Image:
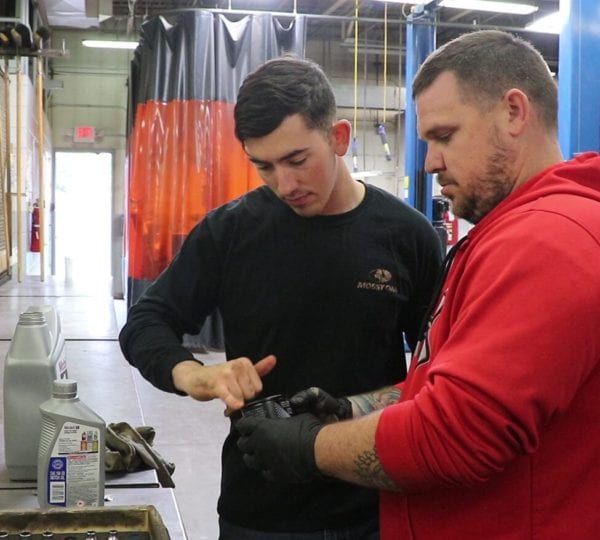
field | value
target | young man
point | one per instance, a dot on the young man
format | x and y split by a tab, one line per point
496	434
316	276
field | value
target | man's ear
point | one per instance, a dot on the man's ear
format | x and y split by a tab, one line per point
340	136
519	110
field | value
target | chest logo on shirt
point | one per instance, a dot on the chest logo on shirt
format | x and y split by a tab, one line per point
381	275
380	281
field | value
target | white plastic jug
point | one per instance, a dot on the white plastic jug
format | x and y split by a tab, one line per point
34	360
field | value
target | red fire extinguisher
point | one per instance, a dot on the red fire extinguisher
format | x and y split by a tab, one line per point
35	229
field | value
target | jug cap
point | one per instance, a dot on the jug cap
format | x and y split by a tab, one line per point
64	388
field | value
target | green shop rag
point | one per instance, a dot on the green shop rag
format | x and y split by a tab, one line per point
130	449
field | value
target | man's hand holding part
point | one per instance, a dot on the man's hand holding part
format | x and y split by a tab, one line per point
324	406
301	448
282	449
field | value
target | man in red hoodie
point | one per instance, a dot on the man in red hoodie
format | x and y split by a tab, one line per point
496	434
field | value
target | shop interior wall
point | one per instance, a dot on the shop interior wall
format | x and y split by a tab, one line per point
365	97
94	93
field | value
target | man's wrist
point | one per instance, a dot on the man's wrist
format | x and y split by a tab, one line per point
182	372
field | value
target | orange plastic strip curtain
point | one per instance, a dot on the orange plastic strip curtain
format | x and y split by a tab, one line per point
185	162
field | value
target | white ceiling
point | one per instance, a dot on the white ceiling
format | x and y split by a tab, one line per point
72	13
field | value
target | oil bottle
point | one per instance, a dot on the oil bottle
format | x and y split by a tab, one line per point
71	450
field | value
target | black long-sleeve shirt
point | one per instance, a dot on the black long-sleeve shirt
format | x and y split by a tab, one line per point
330	296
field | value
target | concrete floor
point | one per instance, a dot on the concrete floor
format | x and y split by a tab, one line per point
188	433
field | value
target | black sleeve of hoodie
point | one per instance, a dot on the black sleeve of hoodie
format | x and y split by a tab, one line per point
177	302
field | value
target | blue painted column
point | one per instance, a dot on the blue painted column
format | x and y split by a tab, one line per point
420	42
579	77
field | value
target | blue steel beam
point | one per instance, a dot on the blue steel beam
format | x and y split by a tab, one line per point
579	77
420	42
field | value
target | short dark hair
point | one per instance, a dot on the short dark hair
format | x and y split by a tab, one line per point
487	63
280	88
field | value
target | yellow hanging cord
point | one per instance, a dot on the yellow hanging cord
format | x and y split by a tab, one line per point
355	65
381	125
385	57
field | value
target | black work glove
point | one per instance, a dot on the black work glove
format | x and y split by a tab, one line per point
283	449
318	402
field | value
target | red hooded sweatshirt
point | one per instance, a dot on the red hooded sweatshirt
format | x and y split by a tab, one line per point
497	434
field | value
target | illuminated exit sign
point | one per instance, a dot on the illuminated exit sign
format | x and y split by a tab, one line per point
84	134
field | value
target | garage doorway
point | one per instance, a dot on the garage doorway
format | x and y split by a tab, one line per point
82	217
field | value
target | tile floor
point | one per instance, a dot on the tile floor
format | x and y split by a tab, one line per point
188	433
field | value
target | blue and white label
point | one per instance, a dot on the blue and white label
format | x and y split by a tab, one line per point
57	481
74	473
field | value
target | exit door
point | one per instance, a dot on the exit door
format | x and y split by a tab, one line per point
82	217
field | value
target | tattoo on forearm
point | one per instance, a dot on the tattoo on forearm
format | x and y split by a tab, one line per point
370	473
373	401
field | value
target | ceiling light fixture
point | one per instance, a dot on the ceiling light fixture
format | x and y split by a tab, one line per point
485	5
549	24
107	44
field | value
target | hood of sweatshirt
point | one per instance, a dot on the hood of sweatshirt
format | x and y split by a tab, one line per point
578	177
